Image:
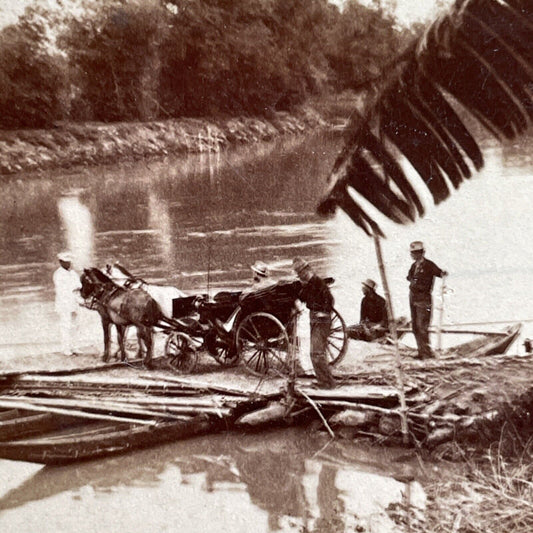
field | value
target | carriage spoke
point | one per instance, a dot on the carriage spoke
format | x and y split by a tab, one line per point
250	334
253	356
265	333
338	338
331	354
257	334
277	357
262	362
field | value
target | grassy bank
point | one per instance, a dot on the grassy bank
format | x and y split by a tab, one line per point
84	144
479	492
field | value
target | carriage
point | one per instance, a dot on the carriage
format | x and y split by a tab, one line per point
262	334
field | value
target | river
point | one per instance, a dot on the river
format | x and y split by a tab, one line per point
198	223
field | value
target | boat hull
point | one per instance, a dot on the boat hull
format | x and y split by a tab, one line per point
85	443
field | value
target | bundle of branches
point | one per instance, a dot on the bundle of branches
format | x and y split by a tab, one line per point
478	58
466	400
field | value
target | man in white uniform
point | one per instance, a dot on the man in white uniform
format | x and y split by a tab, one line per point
66	284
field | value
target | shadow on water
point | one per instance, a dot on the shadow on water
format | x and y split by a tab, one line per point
287	473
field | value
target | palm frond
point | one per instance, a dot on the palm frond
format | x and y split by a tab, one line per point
478	58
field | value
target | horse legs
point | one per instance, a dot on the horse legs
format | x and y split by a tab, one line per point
121	330
106	323
140	342
146	334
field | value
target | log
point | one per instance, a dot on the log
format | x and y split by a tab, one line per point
356	406
355	392
146	399
354	418
389	425
440	435
98	405
273	412
73	412
205	386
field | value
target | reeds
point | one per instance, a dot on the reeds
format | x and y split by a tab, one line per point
493	494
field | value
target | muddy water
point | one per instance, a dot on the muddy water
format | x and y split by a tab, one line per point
280	481
198	224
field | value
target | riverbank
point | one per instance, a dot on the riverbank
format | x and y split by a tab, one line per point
83	144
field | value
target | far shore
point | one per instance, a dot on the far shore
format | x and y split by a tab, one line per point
70	145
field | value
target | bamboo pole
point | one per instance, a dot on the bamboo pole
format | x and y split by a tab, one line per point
110	407
73	412
441	315
394	335
459	331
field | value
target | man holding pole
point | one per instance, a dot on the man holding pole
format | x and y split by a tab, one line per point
421	276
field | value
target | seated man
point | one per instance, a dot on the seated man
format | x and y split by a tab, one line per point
373	320
260	280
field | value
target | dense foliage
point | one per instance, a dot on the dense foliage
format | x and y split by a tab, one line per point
112	60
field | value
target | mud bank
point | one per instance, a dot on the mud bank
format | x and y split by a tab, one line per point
75	144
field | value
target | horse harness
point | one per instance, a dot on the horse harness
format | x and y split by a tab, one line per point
99	298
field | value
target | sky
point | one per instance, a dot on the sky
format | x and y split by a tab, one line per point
407	11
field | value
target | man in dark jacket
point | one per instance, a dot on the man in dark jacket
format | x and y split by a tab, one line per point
319	300
373	318
421	276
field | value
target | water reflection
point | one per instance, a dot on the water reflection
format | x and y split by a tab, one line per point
171	220
77	224
290	475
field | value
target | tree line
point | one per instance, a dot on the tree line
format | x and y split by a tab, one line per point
118	60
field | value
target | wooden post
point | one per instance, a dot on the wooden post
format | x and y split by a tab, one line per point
394	335
441	315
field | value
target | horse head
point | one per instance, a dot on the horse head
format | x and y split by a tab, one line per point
88	284
93	283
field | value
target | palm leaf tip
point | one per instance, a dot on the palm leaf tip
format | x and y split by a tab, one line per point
474	63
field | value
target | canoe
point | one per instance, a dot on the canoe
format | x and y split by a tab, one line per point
487	344
17	423
99	439
483	345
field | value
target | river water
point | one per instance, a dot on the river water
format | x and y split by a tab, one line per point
198	223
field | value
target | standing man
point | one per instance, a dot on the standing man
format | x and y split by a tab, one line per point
317	296
420	277
373	318
66	284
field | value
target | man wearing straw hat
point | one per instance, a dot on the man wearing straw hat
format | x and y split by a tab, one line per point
66	284
421	276
260	280
373	317
319	300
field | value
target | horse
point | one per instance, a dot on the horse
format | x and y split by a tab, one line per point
162	294
122	307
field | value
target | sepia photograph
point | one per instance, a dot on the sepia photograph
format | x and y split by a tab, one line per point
265	266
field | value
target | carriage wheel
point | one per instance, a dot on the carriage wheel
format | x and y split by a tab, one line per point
225	354
180	353
337	339
263	344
